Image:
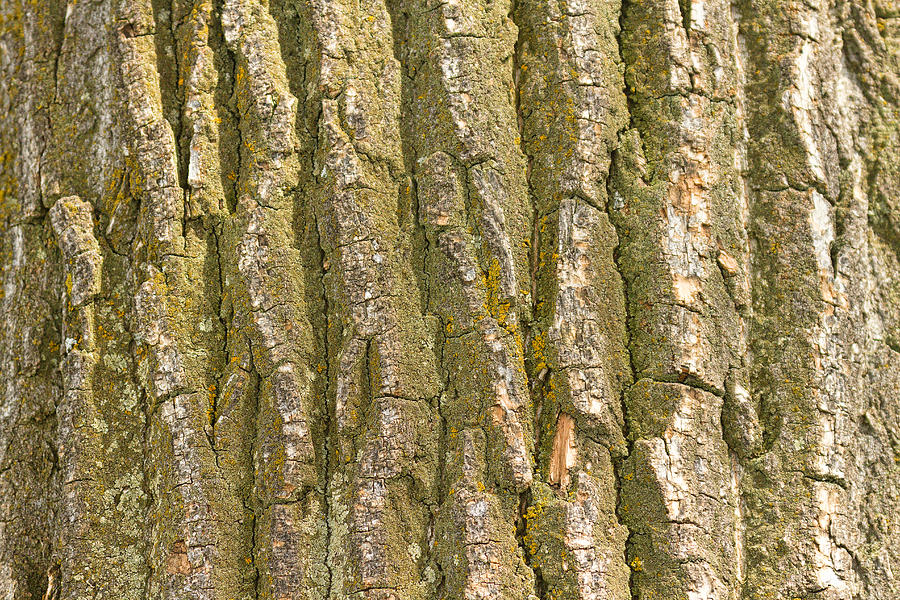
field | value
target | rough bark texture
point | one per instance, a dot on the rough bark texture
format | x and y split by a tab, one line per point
450	299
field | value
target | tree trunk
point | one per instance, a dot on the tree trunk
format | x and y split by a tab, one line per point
460	299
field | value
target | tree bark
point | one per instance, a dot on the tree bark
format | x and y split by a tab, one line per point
459	299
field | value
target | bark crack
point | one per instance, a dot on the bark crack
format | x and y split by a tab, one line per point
534	380
329	418
618	464
248	500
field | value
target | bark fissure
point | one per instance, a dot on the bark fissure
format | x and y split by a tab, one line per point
248	500
619	471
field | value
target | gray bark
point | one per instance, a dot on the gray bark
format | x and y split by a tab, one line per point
470	299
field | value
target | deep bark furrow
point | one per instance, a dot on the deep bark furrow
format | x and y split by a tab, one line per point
196	519
201	117
385	372
474	206
578	358
272	303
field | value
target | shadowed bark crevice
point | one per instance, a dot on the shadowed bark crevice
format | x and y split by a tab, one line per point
329	421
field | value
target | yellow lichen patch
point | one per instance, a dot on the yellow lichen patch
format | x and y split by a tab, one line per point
538	347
